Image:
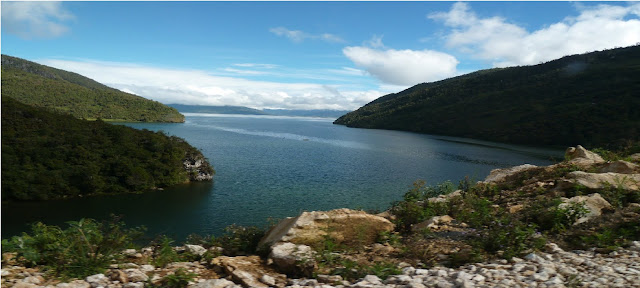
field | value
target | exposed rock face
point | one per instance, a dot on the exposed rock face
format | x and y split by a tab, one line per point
445	197
290	239
198	168
341	224
293	259
582	157
594	203
621	167
601	180
500	175
249	271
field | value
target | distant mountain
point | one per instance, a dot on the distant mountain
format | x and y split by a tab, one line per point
591	99
250	111
67	92
216	109
325	113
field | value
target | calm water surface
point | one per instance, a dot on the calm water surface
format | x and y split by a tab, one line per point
275	167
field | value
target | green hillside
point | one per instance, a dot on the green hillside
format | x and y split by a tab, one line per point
48	155
67	92
590	99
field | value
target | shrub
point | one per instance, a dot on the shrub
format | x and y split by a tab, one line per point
239	240
85	248
178	279
164	252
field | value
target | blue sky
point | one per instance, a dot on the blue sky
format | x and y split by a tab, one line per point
302	55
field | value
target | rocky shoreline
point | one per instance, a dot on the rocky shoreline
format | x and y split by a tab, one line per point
552	268
592	197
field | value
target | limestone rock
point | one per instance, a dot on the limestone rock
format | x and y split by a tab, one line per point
603	180
293	259
214	283
593	202
445	197
501	175
74	284
98	280
582	157
620	166
195	249
135	275
433	222
249	270
344	224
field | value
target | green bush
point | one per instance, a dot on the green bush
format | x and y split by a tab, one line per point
165	253
239	240
85	248
179	279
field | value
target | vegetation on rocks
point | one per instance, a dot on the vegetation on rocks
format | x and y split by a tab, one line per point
47	155
71	93
542	104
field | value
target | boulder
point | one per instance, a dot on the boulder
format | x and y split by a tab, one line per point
504	174
582	157
249	270
293	259
195	249
343	225
603	180
594	203
620	166
635	157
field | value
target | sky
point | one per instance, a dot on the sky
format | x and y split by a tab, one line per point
302	55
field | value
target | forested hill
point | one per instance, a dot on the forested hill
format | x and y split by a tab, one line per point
590	99
49	155
68	92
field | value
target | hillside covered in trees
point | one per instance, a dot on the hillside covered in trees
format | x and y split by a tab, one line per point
48	155
591	99
67	92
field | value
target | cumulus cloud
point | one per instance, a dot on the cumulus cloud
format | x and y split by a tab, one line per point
403	67
35	19
201	88
597	27
299	36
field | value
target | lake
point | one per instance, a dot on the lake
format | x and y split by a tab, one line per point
270	167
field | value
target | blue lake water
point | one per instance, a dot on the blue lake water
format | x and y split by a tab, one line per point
276	167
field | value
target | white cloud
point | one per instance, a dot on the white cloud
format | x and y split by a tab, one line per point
403	67
506	44
35	19
299	36
199	87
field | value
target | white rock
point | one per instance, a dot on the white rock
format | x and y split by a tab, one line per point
214	283
373	279
98	280
266	279
195	249
74	284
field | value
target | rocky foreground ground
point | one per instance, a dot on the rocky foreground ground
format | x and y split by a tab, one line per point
552	268
302	251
